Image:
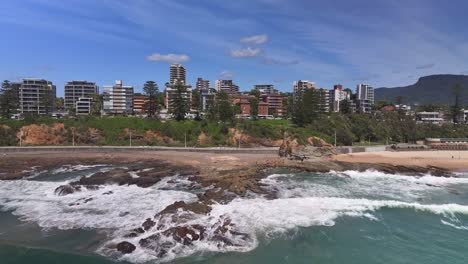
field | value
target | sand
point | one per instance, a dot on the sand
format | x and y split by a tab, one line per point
450	160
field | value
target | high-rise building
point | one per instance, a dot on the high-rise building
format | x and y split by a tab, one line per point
139	103
323	100
275	104
202	84
118	99
83	106
79	89
337	95
299	87
177	73
36	96
265	89
227	86
171	94
364	98
365	92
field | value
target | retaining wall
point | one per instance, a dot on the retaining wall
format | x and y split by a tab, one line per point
129	149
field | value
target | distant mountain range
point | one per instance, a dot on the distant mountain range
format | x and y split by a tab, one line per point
433	89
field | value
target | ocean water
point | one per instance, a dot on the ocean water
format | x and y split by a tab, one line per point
346	217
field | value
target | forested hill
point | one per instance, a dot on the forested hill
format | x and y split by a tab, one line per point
433	89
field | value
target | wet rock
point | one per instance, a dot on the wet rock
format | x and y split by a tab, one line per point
67	189
154	243
151	242
148	224
124	214
108	193
196	207
126	247
88	200
139	230
185	234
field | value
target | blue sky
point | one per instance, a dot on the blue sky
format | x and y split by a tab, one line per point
383	43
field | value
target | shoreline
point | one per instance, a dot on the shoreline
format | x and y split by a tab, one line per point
450	160
216	163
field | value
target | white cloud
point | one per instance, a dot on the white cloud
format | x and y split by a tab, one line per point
257	39
245	52
171	58
273	61
226	74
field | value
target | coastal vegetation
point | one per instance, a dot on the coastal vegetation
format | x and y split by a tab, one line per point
384	127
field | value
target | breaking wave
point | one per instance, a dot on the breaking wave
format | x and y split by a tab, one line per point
299	204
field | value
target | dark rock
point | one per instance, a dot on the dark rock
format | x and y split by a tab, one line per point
67	189
196	207
139	230
151	242
185	234
126	247
88	200
108	193
132	235
124	214
148	224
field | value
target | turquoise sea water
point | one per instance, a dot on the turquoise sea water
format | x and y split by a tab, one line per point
352	217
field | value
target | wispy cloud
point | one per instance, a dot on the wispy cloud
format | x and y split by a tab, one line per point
273	61
170	58
257	39
425	66
226	74
245	52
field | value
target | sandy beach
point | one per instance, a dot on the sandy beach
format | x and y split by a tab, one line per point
450	160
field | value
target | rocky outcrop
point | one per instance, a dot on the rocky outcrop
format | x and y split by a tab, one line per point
42	134
204	140
234	135
196	207
315	148
126	247
152	136
144	174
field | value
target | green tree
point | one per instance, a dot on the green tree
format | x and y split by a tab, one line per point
212	112
179	104
225	108
306	107
457	106
255	92
96	106
345	107
47	100
196	103
60	103
8	100
151	89
253	108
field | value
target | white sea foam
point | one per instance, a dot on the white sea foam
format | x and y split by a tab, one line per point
426	179
109	207
70	168
122	208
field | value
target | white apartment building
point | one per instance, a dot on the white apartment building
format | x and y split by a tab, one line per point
118	99
177	73
83	106
79	89
300	86
430	117
227	86
36	96
337	95
365	98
